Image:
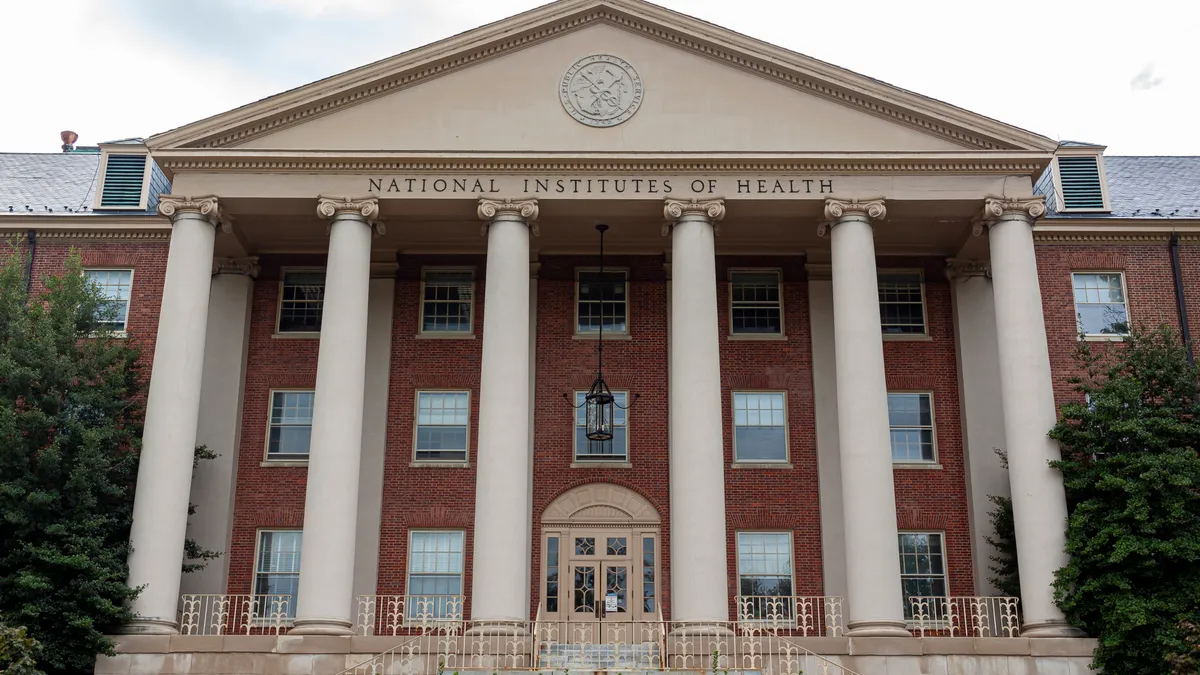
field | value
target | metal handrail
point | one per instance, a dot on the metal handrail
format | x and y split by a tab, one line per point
380	655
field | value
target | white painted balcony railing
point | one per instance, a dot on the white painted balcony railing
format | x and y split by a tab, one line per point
392	614
798	616
212	614
964	616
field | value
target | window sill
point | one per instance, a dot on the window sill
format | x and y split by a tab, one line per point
758	337
917	466
907	337
761	465
1103	338
601	465
283	463
444	336
298	335
607	336
116	334
439	465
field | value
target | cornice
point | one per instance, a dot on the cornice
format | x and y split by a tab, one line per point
96	228
788	68
274	161
1103	237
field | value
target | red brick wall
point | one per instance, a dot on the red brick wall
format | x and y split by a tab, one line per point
1148	281
149	264
443	497
427	497
783	498
565	364
268	496
934	499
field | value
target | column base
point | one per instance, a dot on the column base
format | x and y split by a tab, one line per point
700	628
321	626
498	627
148	626
1053	628
878	628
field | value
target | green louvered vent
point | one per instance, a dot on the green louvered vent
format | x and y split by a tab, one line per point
1080	178
123	181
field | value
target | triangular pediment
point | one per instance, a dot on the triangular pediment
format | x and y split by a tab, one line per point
692	87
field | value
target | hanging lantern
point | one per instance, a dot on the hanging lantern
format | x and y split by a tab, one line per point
599	404
598	410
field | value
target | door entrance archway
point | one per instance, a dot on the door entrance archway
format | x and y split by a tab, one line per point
601	547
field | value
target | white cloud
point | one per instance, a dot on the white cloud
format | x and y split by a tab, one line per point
1061	68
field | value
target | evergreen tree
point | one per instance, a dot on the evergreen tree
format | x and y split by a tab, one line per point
1132	474
1005	575
70	426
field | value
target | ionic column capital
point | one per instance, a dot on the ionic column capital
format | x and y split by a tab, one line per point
518	208
674	210
840	210
1028	209
206	207
365	209
962	270
245	266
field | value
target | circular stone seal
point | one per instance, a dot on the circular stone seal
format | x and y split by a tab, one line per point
601	90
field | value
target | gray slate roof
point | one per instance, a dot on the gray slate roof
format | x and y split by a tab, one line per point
61	183
1153	188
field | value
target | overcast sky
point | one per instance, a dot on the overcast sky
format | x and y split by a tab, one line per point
1124	74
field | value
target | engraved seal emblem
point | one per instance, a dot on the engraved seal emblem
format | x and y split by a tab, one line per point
601	90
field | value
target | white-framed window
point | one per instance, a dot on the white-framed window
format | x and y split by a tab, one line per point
910	420
277	569
615	450
922	567
117	287
902	302
447	301
301	297
290	432
760	426
764	563
755	302
442	426
435	574
601	300
1100	303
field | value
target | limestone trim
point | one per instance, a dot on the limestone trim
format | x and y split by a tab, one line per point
596	503
962	270
245	266
523	208
548	22
206	207
291	161
1028	208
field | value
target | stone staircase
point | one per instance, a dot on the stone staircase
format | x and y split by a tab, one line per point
558	656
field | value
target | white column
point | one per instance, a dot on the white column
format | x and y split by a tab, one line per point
982	408
172	411
699	576
1039	500
220	422
325	592
874	600
502	508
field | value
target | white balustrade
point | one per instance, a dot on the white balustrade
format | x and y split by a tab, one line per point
965	616
214	614
799	616
397	614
